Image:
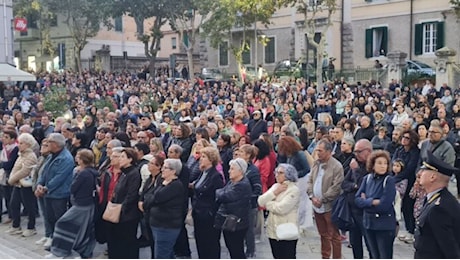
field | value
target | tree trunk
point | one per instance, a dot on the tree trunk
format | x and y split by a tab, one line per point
78	59
191	67
152	70
319	66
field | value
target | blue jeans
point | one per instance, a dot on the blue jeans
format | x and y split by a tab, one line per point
48	230
165	239
380	243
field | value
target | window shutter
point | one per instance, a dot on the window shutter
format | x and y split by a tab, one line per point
385	40
440	35
418	39
369	43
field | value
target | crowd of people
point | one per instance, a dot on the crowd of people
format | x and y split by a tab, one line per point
230	160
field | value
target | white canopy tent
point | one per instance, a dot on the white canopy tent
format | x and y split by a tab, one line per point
10	73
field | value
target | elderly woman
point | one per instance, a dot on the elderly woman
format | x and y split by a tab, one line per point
248	153
380	141
165	207
204	204
75	229
155	164
346	153
22	190
376	196
282	202
121	236
234	201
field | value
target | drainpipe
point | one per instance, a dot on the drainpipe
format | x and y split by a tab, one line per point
411	29
341	36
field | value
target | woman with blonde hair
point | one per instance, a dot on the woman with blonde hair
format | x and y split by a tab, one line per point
156	147
21	180
204	205
193	162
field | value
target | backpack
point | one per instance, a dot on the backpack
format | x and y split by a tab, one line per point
368	179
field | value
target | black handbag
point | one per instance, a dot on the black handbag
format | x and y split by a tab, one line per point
231	223
341	213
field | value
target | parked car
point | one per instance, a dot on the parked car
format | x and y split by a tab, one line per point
296	69
211	73
251	72
413	66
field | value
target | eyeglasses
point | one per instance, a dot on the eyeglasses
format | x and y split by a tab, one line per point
359	151
434	132
406	137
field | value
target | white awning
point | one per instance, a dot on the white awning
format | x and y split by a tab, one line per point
10	73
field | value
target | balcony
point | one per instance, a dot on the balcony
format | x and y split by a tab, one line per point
31	34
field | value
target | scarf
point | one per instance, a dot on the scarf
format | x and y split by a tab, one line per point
6	152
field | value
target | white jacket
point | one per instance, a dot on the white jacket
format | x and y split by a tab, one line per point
283	208
399	118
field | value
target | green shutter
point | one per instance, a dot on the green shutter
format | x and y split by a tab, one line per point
418	39
440	35
385	40
369	43
186	42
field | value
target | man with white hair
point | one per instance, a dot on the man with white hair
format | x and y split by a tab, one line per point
54	183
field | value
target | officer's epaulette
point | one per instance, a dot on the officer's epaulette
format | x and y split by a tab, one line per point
438	201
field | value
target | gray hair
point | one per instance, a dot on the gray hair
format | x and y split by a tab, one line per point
326	143
290	171
115	143
25	129
177	148
240	163
28	139
349	141
59	139
175	165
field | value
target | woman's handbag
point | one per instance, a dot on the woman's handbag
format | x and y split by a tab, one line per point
112	212
341	213
26	182
287	231
230	223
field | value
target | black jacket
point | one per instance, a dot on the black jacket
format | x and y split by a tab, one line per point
83	187
255	128
438	230
165	205
351	184
204	198
253	175
127	193
234	199
365	133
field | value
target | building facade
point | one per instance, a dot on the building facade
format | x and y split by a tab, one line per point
287	39
416	27
6	41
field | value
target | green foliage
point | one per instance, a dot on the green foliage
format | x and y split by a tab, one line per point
104	102
56	101
456	6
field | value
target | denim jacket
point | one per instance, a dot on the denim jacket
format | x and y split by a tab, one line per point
58	175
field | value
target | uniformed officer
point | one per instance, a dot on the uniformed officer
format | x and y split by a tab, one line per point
438	229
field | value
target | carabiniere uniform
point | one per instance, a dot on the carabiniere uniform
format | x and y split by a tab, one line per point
437	233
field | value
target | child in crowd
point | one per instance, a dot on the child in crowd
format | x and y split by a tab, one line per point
398	167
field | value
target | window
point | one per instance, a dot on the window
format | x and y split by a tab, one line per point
118	24
174	43
269	53
223	54
428	37
246	55
53	20
315	2
376	42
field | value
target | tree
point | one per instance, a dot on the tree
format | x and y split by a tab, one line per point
456	6
141	10
312	10
83	19
226	14
187	23
38	15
